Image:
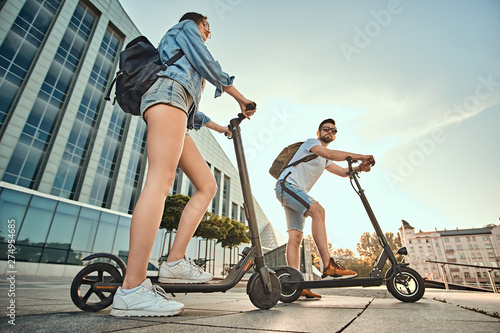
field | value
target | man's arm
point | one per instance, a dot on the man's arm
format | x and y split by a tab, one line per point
338	155
340	171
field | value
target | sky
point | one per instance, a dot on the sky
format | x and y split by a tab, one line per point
414	83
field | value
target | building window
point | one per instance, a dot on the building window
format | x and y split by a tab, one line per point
215	200
473	238
33	233
102	190
20	47
234	211
457	239
225	196
446	240
459	247
13	205
448	248
437	244
25	165
191	189
72	167
468	238
243	218
176	188
106	228
485	238
135	170
476	246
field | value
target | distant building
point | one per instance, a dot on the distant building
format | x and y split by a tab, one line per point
475	246
71	165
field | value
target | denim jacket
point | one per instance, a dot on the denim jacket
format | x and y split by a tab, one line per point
196	64
199	120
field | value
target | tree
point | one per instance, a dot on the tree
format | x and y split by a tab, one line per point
369	247
211	227
174	205
343	253
237	234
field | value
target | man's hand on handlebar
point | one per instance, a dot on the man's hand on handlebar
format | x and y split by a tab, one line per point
367	161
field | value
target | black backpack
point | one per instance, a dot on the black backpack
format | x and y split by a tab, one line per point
139	64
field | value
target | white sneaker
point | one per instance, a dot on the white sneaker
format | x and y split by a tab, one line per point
183	272
148	300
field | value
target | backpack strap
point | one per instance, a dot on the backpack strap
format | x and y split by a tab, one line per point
175	58
303	159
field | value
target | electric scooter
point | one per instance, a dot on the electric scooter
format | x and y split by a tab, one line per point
94	286
403	283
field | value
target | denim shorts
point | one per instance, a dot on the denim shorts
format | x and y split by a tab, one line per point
170	92
295	202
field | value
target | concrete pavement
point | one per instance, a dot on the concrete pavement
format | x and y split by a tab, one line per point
44	305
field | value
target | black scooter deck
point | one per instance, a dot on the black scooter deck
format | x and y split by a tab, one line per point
209	287
333	283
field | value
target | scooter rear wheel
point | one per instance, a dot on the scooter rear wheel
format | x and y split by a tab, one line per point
288	295
84	296
257	295
407	286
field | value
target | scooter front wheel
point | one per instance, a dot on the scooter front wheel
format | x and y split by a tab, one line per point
257	293
83	293
407	286
289	295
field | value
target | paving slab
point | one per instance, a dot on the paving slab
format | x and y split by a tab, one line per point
44	305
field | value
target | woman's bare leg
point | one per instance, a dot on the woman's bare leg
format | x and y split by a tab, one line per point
196	169
166	131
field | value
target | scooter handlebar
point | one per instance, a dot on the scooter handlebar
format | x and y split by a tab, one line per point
236	121
350	161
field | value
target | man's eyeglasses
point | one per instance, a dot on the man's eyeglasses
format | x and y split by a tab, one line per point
332	130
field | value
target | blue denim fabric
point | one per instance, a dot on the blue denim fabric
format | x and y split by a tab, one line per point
294	210
200	120
196	64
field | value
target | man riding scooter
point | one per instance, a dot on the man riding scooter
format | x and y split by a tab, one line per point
292	187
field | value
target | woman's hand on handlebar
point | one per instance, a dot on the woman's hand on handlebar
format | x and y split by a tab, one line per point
242	101
248	108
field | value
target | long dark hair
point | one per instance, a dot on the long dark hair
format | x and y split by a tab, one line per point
194	17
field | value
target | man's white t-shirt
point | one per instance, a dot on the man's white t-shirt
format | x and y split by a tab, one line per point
305	174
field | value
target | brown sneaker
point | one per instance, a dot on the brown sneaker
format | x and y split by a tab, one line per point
337	271
309	294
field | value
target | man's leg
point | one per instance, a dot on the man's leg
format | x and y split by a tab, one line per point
293	248
318	227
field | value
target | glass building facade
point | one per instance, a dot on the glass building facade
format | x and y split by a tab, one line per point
72	166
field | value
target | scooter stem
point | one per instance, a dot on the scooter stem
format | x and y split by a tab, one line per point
246	188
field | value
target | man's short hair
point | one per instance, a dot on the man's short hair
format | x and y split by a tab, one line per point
329	120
